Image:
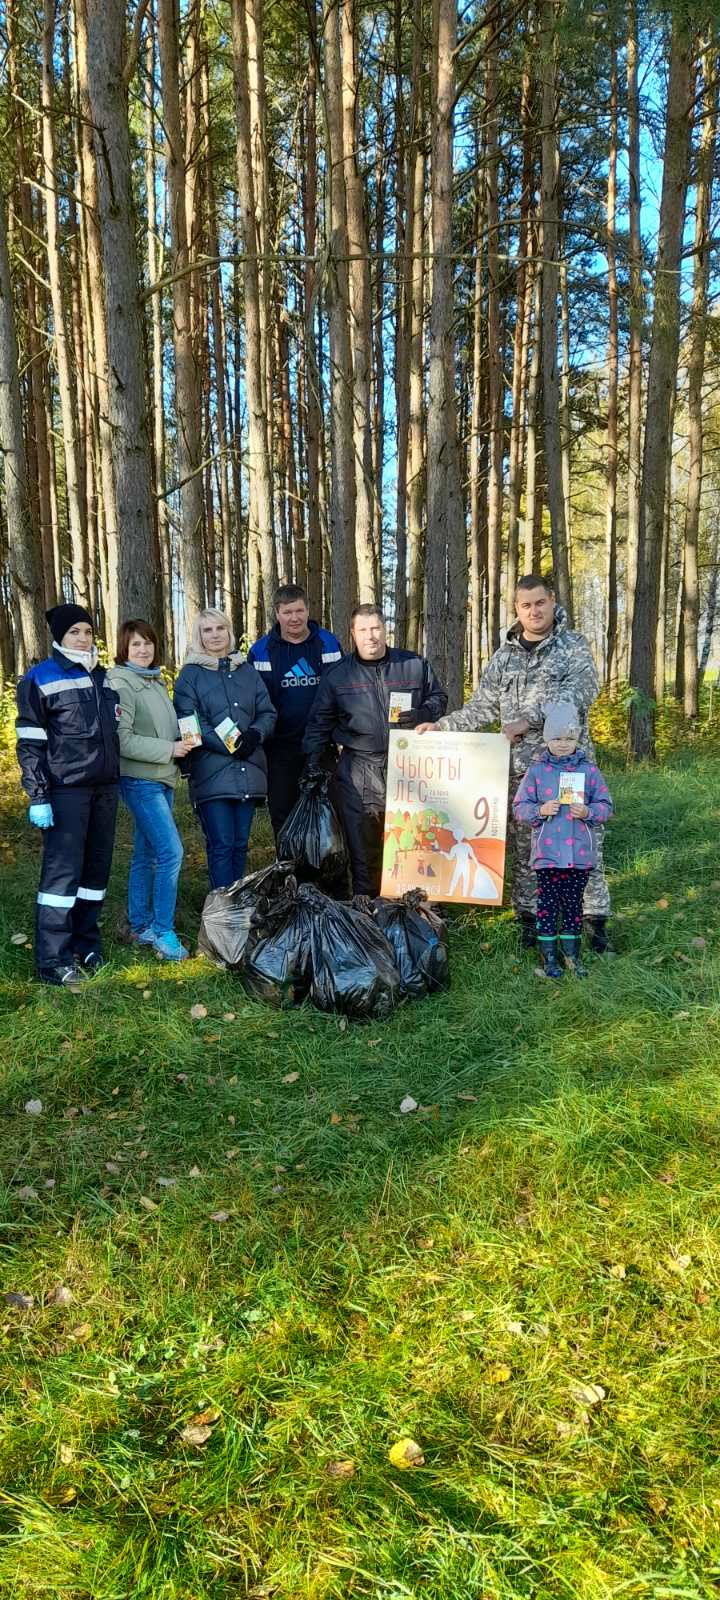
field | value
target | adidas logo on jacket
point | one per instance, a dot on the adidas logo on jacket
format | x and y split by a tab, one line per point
292	673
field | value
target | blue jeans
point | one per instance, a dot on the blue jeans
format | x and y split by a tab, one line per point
226	825
156	858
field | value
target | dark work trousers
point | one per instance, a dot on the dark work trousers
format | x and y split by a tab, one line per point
285	762
560	892
77	855
358	791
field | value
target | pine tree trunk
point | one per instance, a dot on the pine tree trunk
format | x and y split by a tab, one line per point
696	372
635	338
93	252
550	286
360	315
477	445
187	383
529	562
261	537
312	381
520	350
76	527
662	375
611	464
446	554
494	349
137	576
342	501
23	553
416	411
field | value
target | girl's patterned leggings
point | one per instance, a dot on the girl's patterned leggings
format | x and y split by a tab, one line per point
560	893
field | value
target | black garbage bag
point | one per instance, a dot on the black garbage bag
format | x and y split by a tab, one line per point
276	963
419	939
353	965
312	836
227	913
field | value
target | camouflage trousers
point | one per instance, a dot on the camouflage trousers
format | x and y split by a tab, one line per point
524	884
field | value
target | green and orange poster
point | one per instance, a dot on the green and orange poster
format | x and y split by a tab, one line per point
446	816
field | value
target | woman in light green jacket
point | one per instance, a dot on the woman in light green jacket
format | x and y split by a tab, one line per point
150	748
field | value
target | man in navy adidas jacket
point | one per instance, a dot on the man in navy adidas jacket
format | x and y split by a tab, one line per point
291	659
69	755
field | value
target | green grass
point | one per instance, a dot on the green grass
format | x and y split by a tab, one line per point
452	1275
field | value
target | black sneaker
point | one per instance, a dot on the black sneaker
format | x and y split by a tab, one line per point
62	977
91	963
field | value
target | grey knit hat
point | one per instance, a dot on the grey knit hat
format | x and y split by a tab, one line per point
562	721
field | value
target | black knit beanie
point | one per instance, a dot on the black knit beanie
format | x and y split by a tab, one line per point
61	618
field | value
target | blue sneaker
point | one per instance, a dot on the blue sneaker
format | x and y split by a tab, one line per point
169	947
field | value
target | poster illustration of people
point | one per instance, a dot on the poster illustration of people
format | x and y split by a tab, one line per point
446	816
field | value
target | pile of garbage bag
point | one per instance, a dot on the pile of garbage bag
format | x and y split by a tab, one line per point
313	838
289	941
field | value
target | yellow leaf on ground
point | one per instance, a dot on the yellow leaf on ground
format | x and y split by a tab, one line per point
406	1453
198	1012
335	1118
588	1394
81	1333
618	1270
206	1419
500	1374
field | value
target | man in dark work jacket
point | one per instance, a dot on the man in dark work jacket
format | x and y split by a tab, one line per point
352	709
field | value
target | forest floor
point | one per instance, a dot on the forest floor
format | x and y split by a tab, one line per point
522	1276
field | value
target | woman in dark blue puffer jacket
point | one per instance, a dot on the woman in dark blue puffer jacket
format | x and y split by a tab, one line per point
228	772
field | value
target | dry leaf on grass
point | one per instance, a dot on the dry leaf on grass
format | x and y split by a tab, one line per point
60	1296
18	938
81	1333
291	1077
663	903
219	1216
228	1016
679	1262
335	1119
406	1453
112	1166
198	1012
167	1183
464	1094
27	1192
698	943
66	1497
205	1419
22	1302
195	1435
194	1172
514	1327
33	1107
67	1454
340	1469
147	1204
588	1394
618	1270
147	994
407	1104
500	1374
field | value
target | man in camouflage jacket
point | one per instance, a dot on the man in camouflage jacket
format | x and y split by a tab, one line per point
539	660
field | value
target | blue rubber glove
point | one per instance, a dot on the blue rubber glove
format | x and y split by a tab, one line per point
41	816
